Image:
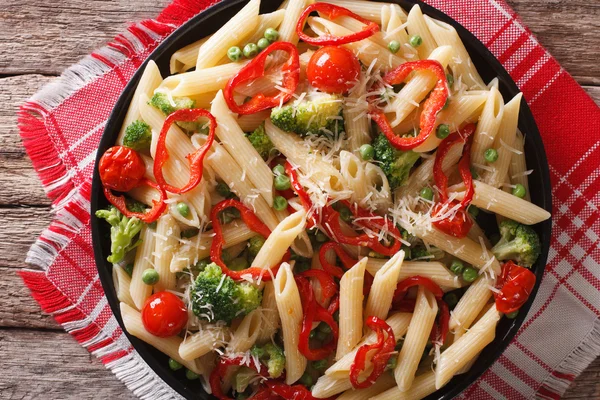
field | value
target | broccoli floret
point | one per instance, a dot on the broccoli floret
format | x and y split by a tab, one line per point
138	136
136	207
319	116
261	142
255	244
218	298
396	164
518	242
169	105
273	357
122	232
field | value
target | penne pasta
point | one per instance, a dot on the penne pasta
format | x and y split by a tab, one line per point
436	271
166	242
383	288
351	307
517	169
144	259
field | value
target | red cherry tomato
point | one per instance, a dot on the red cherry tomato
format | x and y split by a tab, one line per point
457	225
333	69
515	284
164	314
121	168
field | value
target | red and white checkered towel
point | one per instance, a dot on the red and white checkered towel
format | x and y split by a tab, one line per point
62	125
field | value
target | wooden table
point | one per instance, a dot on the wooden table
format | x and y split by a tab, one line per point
38	40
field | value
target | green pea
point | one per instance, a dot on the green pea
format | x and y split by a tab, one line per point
367	152
234	53
469	274
280	203
191	375
323	327
129	269
152	225
512	315
490	155
446	104
457	267
250	50
302	265
473	210
321	336
394	46
443	131
282	182
278	169
306	380
150	277
450	80
474	173
183	209
519	191
451	299
415	41
319	365
174	365
426	193
392	362
321	237
238	264
263	43
345	214
189	233
223	189
202	264
271	35
313	334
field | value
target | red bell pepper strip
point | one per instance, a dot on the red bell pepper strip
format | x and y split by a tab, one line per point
432	106
339	251
334	305
459	223
313	312
254	224
332	11
256	69
302	194
152	215
328	285
221	369
195	159
293	392
515	284
384	347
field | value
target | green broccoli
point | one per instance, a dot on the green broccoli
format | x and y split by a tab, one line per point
261	142
138	136
219	298
322	115
122	232
242	379
518	242
169	105
396	164
135	206
272	356
255	244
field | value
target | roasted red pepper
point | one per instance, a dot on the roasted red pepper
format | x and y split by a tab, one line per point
221	369
195	159
438	333
152	215
254	224
333	270
515	284
302	194
256	69
291	392
384	347
459	223
313	312
431	107
121	168
328	285
332	11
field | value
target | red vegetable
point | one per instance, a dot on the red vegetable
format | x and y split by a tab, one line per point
333	270
164	314
256	69
158	206
333	69
293	392
121	168
515	284
301	192
254	224
195	159
384	347
332	11
434	103
221	369
328	285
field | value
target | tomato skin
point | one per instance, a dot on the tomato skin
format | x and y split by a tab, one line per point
164	314
458	225
333	69
515	284
121	168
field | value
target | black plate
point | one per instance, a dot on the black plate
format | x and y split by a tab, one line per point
208	22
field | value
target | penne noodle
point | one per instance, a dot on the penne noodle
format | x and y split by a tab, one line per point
144	259
416	26
436	271
422	386
202	342
366	9
186	57
122	282
487	128
383	288
166	242
517	169
351	308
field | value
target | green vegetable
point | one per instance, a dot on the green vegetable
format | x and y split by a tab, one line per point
263	43
319	365
420	253
451	299
138	136
183	209
218	298
319	116
306	380
302	264
321	237
255	244
415	41
518	242
278	169
469	274
242	379
426	193
238	264
271	35
450	80
490	155
474	173
136	206
323	327
367	152
446	103
443	131
229	214
396	164
129	269
519	191
272	356
250	50
164	104
280	203
150	276
122	231
346	214
457	267
392	362
261	142
282	182
512	315
394	46
234	53
223	189
473	210
191	375
174	365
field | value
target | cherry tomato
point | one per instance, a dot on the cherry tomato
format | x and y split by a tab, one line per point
333	69
457	225
164	314
121	168
515	284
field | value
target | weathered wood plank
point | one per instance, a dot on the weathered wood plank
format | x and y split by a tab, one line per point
51	365
587	385
20	228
